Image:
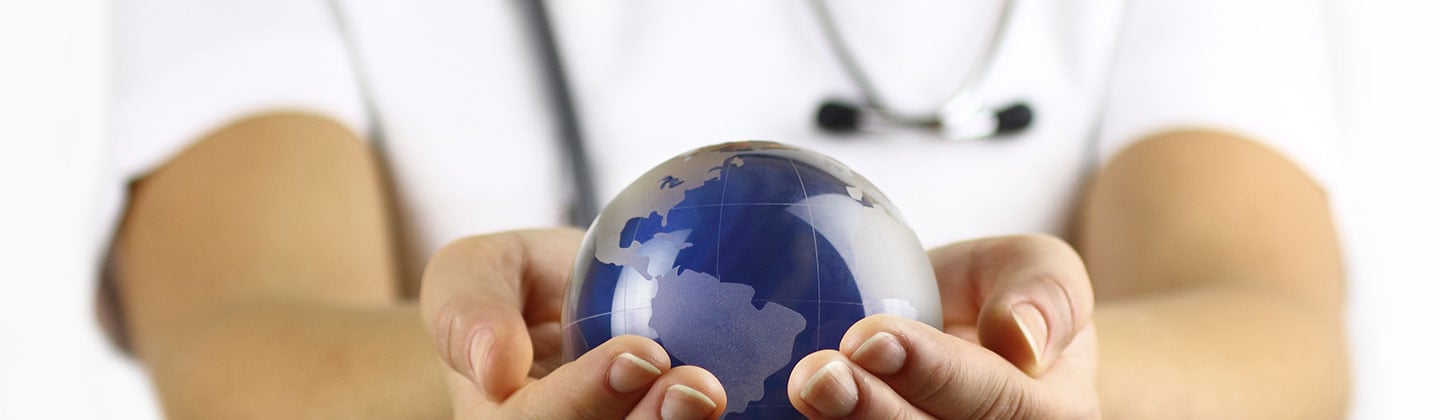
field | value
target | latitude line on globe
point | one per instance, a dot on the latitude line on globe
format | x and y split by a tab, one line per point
830	302
815	242
701	206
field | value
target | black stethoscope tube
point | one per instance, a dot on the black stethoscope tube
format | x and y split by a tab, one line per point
583	204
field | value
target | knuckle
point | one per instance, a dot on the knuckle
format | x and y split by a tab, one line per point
1008	400
889	412
936	384
1069	300
445	329
1060	294
896	408
453	327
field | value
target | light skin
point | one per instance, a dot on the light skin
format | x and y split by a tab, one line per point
259	277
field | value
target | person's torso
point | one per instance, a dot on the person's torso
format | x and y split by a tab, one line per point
471	137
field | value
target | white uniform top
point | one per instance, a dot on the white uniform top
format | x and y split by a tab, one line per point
471	139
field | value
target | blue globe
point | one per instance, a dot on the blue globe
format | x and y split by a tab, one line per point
742	258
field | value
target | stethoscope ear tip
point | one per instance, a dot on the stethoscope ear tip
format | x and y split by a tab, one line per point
1013	118
838	117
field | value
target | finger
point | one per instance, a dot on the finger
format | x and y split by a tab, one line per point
1028	295
605	382
683	393
947	376
826	384
480	294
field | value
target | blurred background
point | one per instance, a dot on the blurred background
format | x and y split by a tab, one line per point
54	362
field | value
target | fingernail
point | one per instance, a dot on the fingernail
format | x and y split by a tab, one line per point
831	390
629	373
881	354
1032	325
685	403
479	351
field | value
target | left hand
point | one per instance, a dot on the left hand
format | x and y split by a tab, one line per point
492	305
1018	342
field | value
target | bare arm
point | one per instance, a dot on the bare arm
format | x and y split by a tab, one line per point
1218	283
258	275
258	279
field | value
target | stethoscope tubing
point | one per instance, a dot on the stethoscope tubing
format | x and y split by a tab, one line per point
963	102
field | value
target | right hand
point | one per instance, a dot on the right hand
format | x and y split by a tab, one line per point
1018	342
492	304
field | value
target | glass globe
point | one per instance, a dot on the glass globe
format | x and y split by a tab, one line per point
742	258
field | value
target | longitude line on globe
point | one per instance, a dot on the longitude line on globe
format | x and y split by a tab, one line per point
815	242
720	216
625	314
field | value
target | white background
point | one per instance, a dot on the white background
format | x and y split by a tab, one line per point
53	57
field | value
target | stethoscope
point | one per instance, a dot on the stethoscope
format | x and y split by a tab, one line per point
963	116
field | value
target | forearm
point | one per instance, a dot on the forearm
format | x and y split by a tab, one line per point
257	274
271	359
1219	354
1218	283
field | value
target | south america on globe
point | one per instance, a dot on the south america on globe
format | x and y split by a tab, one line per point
742	258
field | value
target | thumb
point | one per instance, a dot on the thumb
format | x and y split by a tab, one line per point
612	381
481	293
943	375
1039	299
952	377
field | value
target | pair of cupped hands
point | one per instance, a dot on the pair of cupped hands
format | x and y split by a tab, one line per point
1017	342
